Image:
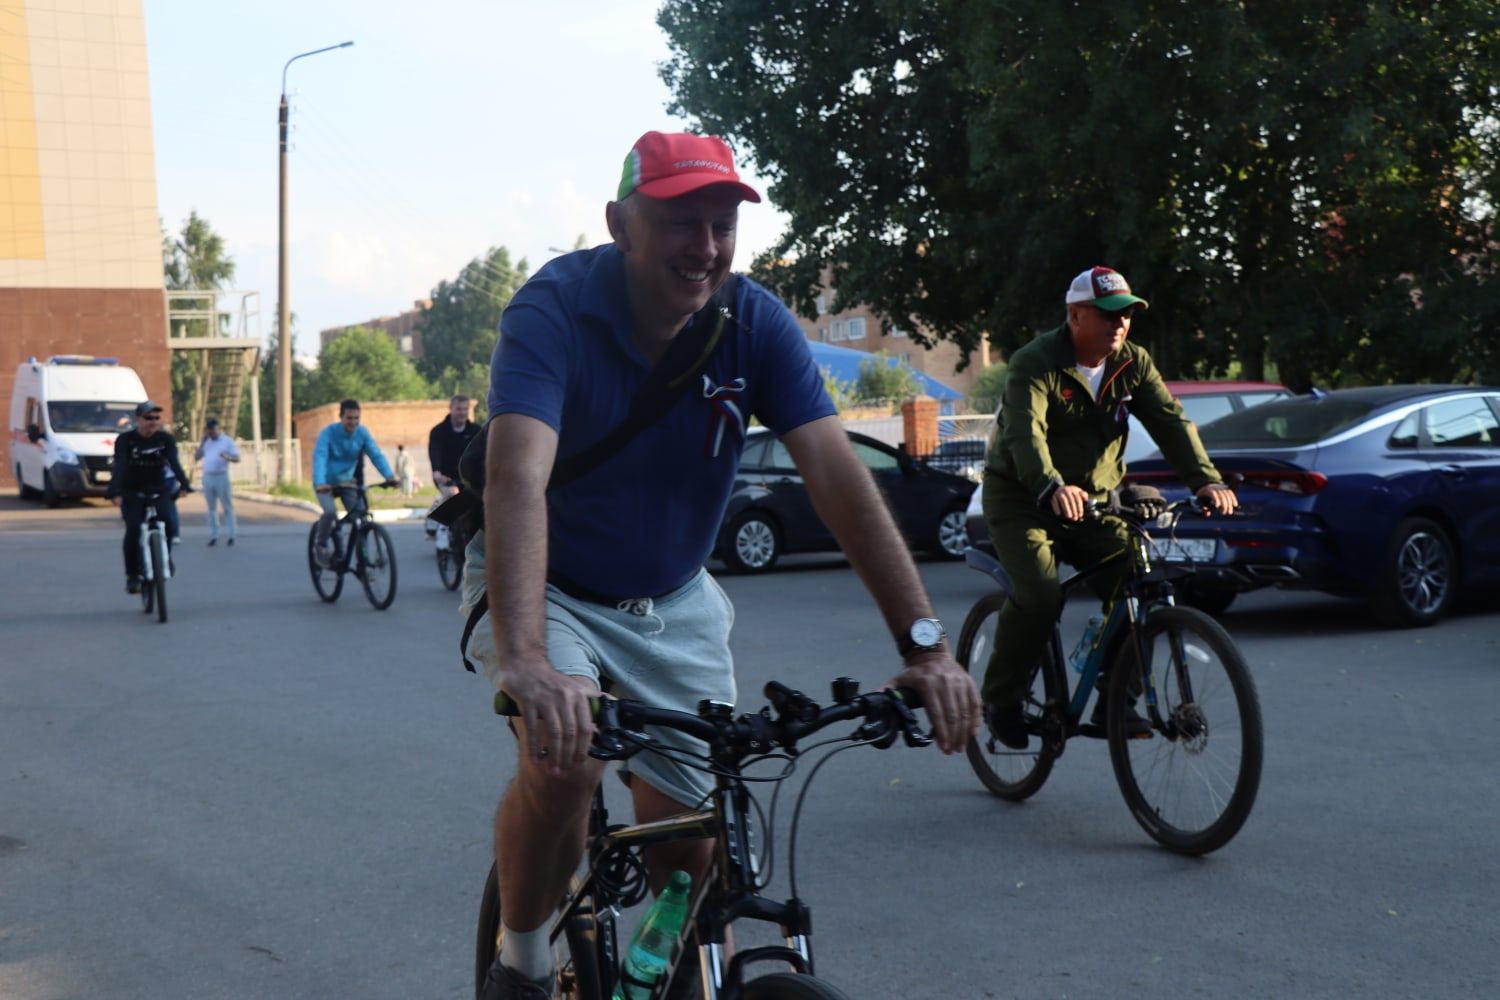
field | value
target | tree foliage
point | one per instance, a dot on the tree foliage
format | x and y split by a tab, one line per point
989	384
881	380
367	365
460	326
195	258
1305	185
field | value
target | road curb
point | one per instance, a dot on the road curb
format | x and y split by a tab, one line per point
383	514
306	505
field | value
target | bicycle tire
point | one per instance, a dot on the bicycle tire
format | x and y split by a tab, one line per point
1015	775
790	986
450	567
1192	783
577	971
160	560
327	580
377	565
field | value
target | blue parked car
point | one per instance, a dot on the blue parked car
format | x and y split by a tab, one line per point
1388	493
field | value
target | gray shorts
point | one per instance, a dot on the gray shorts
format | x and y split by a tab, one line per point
670	652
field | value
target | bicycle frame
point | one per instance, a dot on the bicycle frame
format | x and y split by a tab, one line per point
1140	592
730	891
153	524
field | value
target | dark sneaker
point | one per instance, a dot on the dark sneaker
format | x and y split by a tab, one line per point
323	555
214	541
1007	725
230	543
503	983
132	585
1136	724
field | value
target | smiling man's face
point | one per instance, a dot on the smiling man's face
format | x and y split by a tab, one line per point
678	251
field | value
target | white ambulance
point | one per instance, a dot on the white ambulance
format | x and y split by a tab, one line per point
64	415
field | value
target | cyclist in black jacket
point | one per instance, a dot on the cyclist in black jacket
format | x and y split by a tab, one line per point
145	461
447	441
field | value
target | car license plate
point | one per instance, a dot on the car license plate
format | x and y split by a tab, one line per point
101	477
1183	549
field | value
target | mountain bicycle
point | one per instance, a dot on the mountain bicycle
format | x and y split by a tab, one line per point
584	929
156	556
358	545
1191	782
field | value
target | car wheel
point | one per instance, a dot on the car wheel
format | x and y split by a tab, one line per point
50	495
27	492
1419	575
952	535
754	543
1208	598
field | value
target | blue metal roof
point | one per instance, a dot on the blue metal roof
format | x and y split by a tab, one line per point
844	364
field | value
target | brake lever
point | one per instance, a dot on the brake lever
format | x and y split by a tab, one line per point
911	730
607	744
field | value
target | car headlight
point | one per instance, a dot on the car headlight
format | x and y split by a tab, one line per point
66	457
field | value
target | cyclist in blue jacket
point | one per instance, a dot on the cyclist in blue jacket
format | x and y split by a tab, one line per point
340	449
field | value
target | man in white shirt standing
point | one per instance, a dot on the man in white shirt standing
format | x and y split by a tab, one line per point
215	453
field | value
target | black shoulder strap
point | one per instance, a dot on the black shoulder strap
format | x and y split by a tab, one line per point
677	371
686	358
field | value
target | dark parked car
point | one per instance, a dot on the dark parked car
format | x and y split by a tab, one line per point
962	456
770	512
1387	493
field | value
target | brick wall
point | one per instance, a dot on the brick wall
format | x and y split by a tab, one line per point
125	323
389	423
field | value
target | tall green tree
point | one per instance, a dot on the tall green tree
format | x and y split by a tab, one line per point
193	259
1309	185
367	365
460	326
304	389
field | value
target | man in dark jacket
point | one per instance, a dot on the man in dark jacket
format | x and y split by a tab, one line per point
1063	420
145	462
446	443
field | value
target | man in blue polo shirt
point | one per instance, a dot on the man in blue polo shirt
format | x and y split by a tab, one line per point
601	580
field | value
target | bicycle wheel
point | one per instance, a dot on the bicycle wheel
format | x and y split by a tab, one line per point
790	986
327	580
377	565
1191	784
577	967
148	590
158	581
450	566
1010	774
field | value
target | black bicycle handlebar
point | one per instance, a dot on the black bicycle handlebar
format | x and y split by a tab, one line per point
887	714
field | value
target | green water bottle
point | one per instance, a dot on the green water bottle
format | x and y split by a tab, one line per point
651	947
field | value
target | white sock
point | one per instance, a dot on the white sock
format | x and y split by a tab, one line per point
528	952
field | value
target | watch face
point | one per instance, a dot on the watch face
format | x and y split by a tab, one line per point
926	632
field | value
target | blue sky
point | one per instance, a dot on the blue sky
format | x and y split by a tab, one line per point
449	127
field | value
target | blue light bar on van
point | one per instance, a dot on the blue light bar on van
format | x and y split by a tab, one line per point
80	359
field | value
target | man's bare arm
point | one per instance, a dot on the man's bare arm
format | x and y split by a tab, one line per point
518	460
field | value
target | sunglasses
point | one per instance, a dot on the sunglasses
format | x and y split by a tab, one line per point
150	416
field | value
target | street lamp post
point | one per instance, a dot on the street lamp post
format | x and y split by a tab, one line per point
283	305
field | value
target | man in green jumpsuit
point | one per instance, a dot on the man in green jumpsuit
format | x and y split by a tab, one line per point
1060	443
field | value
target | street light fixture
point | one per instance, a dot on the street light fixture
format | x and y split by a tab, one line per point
283	306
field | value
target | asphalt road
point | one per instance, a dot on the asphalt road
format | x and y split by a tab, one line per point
273	797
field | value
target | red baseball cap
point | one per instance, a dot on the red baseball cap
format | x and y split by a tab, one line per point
671	164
